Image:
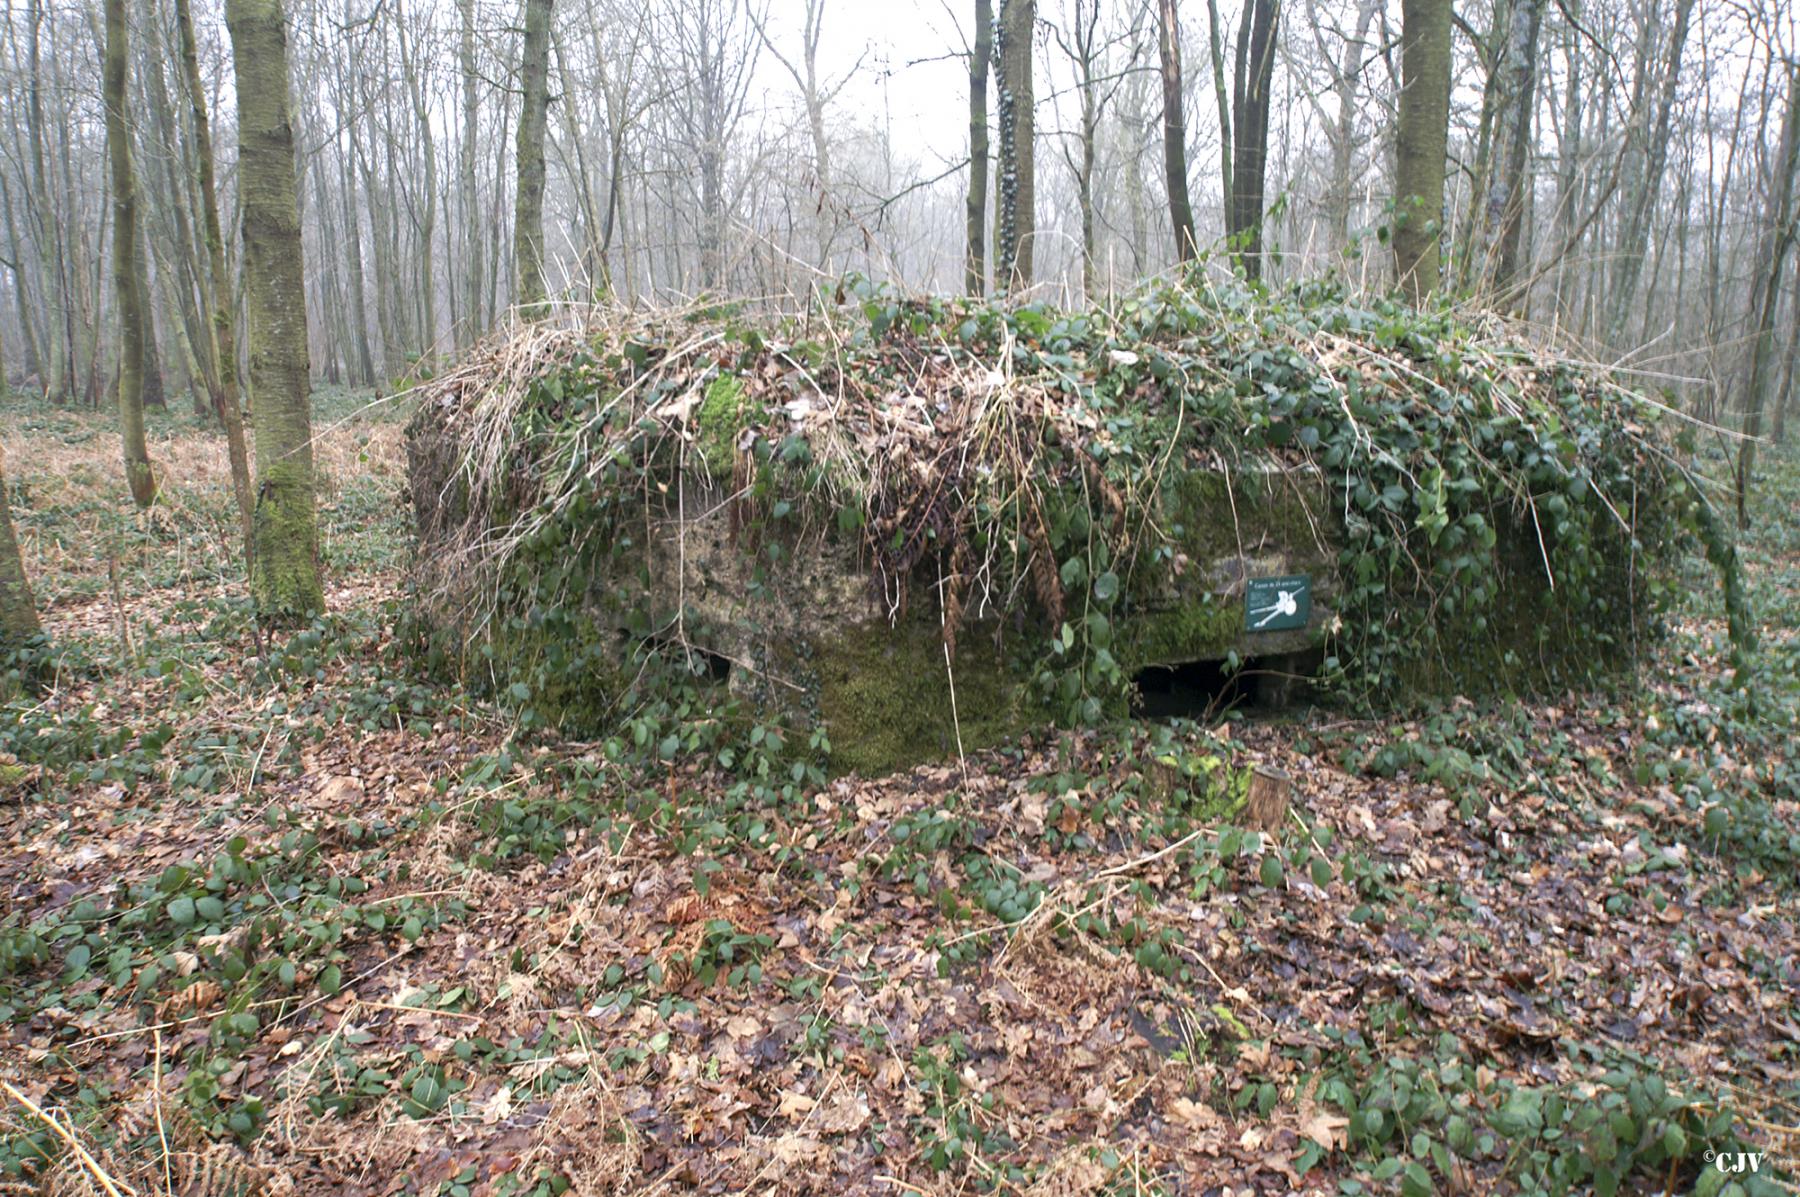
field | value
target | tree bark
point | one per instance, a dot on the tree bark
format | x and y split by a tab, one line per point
226	400
1420	145
53	263
1634	242
427	248
1222	97
1777	238
128	289
1343	134
1018	132
1181	209
1250	128
528	203
975	208
1790	369
471	327
1510	178
284	574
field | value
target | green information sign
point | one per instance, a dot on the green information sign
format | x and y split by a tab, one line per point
1277	604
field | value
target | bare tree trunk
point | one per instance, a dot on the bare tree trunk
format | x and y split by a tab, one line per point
471	207
1250	126
1790	370
427	248
127	285
284	574
225	401
528	203
1216	42
353	268
975	220
33	364
1420	145
1777	239
1181	209
59	381
1343	135
1510	180
1635	239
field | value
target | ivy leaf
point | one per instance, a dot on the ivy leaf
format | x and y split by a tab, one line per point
1106	587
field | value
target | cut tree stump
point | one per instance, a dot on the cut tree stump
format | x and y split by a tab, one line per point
1266	805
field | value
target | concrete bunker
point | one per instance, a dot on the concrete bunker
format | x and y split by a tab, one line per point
953	527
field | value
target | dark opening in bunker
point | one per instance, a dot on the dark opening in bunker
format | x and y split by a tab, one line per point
706	665
1208	689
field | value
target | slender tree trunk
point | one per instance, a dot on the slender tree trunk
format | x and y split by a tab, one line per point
353	267
1343	136
1090	135
226	401
154	392
471	208
528	203
59	379
1511	177
18	614
1777	239
427	249
1635	239
1420	145
975	222
27	328
1250	126
1181	209
284	575
1790	369
127	286
1222	97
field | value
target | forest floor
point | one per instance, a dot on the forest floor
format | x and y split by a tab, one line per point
290	917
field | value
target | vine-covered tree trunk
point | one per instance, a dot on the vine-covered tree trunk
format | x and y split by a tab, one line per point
1420	144
226	400
1181	209
975	210
1018	132
528	204
18	615
284	572
1250	130
128	289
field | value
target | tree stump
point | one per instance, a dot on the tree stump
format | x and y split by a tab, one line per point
1266	805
